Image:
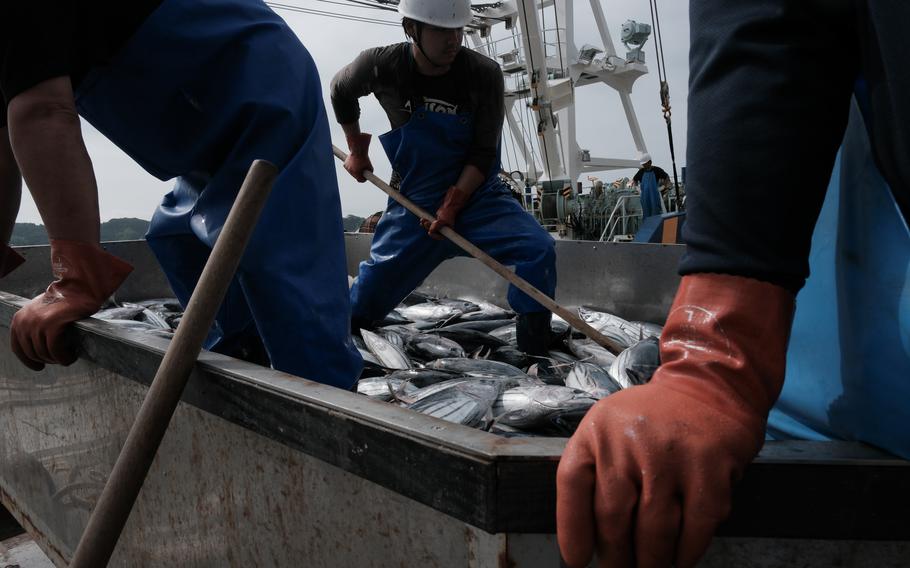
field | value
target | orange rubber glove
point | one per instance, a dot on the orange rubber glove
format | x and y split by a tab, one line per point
452	204
648	475
9	260
358	159
85	276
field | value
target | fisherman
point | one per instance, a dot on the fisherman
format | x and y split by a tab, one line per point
193	90
650	179
446	108
647	476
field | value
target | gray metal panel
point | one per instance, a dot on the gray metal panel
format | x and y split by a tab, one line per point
633	280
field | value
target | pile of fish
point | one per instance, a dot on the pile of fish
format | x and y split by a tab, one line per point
458	360
159	316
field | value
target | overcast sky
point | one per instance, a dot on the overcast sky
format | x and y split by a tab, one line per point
128	191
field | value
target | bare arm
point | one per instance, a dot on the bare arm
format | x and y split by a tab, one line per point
470	179
46	138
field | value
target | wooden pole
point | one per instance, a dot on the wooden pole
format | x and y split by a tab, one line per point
488	260
116	501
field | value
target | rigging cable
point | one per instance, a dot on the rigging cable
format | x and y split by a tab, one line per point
545	155
562	71
528	143
664	92
337	15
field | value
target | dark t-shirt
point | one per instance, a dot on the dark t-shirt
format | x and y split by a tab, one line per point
658	173
41	41
474	84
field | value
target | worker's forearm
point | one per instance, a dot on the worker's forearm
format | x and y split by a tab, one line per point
351	129
10	188
470	179
46	138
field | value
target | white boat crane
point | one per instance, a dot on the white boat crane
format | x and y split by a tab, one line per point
543	68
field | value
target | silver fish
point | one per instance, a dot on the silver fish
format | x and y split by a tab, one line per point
389	355
507	333
391	336
129	312
429	346
429	311
481	366
486	311
592	379
467	402
384	388
470	339
587	350
550	407
623	332
485	326
649	329
464	306
637	364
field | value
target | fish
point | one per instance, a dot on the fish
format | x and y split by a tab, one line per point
384	388
465	402
592	379
486	311
391	336
481	367
429	311
636	365
429	346
389	355
368	356
422	377
649	329
129	312
134	325
588	350
485	326
152	318
392	318
470	339
616	328
510	355
507	333
464	306
549	408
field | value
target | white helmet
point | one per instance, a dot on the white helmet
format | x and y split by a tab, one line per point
644	158
440	13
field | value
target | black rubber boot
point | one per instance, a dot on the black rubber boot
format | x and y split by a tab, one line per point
533	333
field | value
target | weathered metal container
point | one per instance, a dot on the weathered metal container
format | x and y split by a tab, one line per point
260	468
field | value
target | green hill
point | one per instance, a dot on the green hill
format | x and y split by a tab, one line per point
126	229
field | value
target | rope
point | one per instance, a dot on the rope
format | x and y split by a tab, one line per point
664	92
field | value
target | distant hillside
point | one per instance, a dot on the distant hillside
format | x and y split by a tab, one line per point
126	229
352	223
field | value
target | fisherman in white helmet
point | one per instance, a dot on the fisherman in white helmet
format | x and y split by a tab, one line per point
446	109
649	179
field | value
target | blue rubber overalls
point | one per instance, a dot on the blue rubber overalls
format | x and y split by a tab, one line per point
650	195
202	89
429	152
848	365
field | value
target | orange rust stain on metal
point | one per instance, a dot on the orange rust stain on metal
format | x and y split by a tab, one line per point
503	559
25	522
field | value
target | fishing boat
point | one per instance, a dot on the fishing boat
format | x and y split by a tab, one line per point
261	468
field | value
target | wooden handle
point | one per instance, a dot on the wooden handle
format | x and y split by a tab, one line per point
116	501
498	268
